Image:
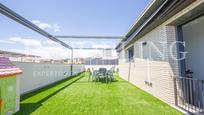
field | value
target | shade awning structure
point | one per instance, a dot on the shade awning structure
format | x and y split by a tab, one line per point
20	19
7	68
25	22
89	37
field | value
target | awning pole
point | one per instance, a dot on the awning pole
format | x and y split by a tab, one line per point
72	61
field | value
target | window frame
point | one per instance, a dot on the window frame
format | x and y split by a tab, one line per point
130	53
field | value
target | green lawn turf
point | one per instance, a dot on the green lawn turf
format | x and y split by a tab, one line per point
77	96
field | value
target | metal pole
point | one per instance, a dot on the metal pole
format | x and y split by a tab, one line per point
103	60
72	53
90	37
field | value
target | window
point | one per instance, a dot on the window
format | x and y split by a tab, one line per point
131	53
145	50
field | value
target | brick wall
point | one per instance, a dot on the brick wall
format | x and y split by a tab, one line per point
154	73
150	71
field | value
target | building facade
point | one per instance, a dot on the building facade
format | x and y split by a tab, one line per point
161	49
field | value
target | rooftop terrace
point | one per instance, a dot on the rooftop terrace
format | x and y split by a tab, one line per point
78	96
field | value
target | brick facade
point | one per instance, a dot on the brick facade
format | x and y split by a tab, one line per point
154	73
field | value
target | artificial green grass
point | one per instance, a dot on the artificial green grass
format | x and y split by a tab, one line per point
77	96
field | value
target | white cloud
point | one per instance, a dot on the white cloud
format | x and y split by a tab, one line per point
91	44
101	46
6	42
81	43
51	50
41	24
46	49
50	42
36	21
26	41
56	28
88	53
44	26
46	52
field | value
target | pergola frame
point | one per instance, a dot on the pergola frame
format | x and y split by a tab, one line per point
23	21
94	48
89	37
16	17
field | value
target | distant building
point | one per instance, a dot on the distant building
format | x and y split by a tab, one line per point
107	53
100	61
19	57
76	61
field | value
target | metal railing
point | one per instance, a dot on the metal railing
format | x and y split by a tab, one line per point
189	94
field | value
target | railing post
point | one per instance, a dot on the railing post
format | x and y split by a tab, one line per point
175	91
202	102
202	96
191	92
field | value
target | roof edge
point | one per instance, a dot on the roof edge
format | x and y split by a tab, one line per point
149	5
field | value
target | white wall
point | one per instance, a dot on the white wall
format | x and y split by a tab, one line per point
78	68
193	34
36	75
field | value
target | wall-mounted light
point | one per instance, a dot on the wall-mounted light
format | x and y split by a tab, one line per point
144	43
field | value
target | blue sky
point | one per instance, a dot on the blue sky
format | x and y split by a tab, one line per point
67	17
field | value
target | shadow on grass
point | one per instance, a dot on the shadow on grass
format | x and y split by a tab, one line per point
28	95
106	80
103	80
100	81
28	108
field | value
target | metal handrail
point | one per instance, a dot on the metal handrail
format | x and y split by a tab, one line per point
189	94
